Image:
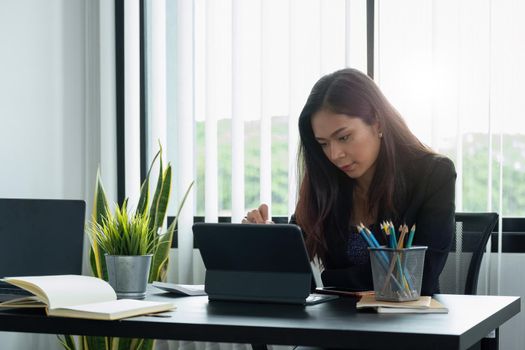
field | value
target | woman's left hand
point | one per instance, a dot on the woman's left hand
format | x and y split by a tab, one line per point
258	216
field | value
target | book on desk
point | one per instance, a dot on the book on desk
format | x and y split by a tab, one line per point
424	304
80	297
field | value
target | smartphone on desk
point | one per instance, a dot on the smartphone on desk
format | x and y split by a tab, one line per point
342	291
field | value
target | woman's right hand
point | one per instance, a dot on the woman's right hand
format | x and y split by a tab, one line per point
258	216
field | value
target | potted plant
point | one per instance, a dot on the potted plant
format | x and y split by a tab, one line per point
128	242
125	234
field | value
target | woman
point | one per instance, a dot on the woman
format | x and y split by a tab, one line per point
361	164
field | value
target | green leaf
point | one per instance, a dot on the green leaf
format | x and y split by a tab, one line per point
67	341
122	344
160	258
156	195
124	234
161	204
147	344
114	344
135	344
142	206
93	343
102	263
100	203
100	211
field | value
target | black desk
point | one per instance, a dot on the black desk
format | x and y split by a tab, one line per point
332	324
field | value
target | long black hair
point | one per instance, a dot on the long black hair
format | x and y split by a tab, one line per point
325	195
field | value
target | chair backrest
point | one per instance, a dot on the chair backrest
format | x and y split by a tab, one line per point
461	271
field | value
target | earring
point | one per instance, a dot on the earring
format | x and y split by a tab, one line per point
380	135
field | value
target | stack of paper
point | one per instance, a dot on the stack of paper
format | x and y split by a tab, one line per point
424	305
181	289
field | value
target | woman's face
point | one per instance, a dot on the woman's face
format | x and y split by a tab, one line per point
348	142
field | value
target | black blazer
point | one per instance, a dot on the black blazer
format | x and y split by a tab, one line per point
429	202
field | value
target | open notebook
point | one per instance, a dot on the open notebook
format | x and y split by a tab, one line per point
80	297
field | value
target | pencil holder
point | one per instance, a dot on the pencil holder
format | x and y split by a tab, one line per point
397	273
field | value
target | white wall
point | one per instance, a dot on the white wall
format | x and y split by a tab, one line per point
42	92
50	108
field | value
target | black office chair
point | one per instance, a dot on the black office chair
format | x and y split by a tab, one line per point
461	271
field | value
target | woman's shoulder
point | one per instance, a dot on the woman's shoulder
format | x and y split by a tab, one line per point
433	163
429	175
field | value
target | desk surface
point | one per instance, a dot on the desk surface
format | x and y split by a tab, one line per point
332	324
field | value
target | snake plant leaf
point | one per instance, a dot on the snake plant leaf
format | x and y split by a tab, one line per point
160	257
94	343
142	206
160	206
94	263
159	263
147	344
158	190
134	344
120	343
67	342
100	211
100	203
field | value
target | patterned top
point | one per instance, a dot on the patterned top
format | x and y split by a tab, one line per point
356	248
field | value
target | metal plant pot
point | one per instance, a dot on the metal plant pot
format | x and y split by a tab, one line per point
128	275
